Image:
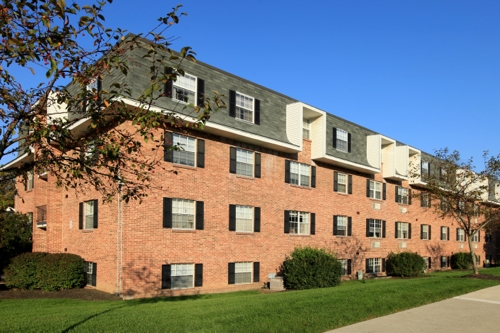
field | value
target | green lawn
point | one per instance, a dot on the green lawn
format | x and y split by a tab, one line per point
315	310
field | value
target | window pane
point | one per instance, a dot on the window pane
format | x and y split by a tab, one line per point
89	214
186	154
182	214
244	162
185	88
244	107
244	219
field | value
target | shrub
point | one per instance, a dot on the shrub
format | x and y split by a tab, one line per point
46	271
462	260
405	264
308	268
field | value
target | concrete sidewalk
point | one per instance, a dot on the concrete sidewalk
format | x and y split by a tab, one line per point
478	311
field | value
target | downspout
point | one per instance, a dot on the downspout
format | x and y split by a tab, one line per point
119	242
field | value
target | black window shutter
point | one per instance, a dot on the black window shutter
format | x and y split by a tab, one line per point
80	215
232	103
348	142
200	98
335	181
94	274
313	223
169	83
287	221
334	143
429	232
313	176
396	232
99	84
166	280
200	163
96	214
349	226
383	264
349	184
409	197
398	197
383	191
409	230
167	147
349	268
232	217
422	199
256	219
167	213
232	160
287	171
256	272
256	118
257	165
383	229
368	266
335	224
200	215
367	227
421	231
198	275
230	273
368	188
448	233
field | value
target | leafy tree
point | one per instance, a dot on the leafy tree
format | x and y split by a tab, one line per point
456	190
69	50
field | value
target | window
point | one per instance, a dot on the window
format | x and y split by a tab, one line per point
88	215
375	190
445	233
244	162
425	170
95	85
300	223
300	174
403	230
341	140
243	272
346	266
183	214
30	219
487	238
425	231
30	180
443	204
306	128
445	262
244	218
181	276
342	225
403	195
375	228
425	199
428	262
476	237
184	88
342	183
184	150
375	265
460	235
41	214
90	270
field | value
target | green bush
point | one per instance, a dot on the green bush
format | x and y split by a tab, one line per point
46	271
405	264
308	268
462	260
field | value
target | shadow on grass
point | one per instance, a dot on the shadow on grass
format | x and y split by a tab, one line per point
72	327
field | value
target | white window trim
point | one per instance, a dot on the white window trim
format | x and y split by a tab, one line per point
403	198
475	237
346	225
300	173
176	85
93	84
402	228
181	149
426	232
177	200
252	219
460	235
345	184
374	191
375	264
306	128
86	214
341	131
345	268
252	163
173	268
241	266
300	216
445	233
251	110
374	222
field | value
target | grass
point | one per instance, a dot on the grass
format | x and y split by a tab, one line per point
315	310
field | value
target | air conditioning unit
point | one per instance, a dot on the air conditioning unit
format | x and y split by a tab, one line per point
375	245
276	284
41	224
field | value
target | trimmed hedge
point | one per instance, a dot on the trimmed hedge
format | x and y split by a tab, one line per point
405	264
308	268
462	260
46	271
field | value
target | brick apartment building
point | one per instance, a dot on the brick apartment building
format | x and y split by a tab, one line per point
266	175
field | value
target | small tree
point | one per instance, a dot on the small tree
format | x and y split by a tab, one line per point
406	264
308	268
456	190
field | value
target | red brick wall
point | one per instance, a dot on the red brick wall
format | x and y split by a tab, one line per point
147	245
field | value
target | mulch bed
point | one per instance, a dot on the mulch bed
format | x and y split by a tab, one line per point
87	294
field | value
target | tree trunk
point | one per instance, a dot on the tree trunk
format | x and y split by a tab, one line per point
475	266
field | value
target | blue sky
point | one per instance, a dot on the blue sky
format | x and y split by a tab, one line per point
426	73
